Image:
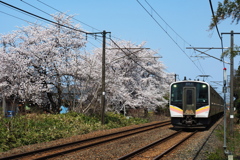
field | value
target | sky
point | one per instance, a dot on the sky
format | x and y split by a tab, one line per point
173	26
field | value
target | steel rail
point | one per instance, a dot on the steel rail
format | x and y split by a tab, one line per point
152	126
215	126
149	146
97	143
173	147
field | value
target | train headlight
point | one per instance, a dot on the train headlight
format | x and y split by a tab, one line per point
204	86
175	86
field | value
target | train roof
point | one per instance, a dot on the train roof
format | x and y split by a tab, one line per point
190	81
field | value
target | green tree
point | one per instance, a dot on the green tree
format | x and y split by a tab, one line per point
237	92
235	52
236	80
229	8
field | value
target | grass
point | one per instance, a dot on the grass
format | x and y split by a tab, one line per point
36	128
233	142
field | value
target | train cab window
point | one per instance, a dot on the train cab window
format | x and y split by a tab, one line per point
202	96
176	93
189	97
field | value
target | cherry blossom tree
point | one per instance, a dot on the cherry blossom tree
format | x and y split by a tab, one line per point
36	60
47	66
134	76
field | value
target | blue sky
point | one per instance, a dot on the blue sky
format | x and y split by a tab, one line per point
127	20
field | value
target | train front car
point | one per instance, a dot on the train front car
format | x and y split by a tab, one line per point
190	104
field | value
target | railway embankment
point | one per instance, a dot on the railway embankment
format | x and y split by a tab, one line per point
210	141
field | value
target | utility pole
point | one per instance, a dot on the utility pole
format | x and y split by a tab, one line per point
103	74
103	77
231	75
231	84
231	80
225	123
225	90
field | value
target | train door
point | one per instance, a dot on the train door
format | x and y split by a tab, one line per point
189	101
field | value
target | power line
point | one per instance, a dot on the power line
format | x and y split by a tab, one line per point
167	23
224	84
22	13
210	2
172	30
169	36
62	13
34	15
96	37
72	18
29	13
100	41
17	17
206	54
36	8
135	60
66	14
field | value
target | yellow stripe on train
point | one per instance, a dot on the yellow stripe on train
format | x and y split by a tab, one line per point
202	109
176	109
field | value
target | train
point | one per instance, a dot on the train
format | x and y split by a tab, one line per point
194	104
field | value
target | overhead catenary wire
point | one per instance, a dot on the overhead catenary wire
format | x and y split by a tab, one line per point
97	29
45	19
66	14
224	85
62	13
201	70
166	23
210	2
90	37
99	40
22	13
18	18
219	35
94	28
135	60
35	7
172	30
210	55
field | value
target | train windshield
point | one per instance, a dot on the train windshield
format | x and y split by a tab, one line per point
202	93
176	93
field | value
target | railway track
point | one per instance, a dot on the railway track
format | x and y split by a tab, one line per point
60	150
159	148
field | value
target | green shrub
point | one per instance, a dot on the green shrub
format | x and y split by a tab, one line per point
117	120
36	128
219	154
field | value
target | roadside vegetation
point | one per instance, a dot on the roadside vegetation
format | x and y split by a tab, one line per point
36	128
232	144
